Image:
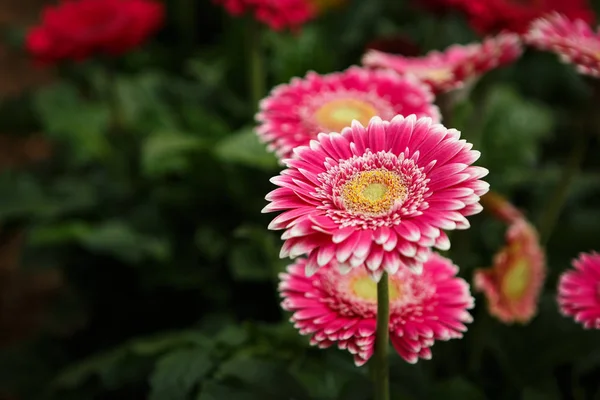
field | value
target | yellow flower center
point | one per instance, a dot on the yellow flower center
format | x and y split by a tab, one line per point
338	114
516	280
365	288
435	75
373	192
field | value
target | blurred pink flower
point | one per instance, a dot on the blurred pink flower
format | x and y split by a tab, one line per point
492	16
450	69
376	196
579	291
575	42
277	14
297	112
513	285
341	309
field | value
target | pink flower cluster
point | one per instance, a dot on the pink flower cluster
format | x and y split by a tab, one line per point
450	69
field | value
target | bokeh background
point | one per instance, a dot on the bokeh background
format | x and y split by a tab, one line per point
135	262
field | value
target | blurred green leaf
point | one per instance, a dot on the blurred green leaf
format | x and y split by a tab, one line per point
82	124
512	130
457	389
169	152
141	103
112	237
294	55
111	362
244	148
178	372
271	377
256	258
219	391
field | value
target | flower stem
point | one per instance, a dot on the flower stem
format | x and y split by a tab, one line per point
382	336
256	68
552	210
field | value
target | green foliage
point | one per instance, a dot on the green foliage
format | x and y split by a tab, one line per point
80	124
244	148
150	208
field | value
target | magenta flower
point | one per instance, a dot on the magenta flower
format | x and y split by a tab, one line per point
297	112
450	69
342	309
513	285
579	291
277	14
378	196
574	41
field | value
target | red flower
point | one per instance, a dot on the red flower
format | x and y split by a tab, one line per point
76	29
277	14
491	16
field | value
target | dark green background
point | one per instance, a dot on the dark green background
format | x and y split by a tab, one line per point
150	206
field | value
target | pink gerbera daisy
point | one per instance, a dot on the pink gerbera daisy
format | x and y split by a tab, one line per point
579	291
277	14
295	113
575	41
450	69
377	196
337	308
513	285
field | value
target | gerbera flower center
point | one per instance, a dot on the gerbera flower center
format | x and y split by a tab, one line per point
373	192
337	114
365	288
516	280
436	75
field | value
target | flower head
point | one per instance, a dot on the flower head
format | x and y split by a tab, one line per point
513	285
376	196
297	112
492	16
277	14
574	42
77	29
579	291
450	69
342	309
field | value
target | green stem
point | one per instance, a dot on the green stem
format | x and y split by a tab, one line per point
551	211
256	69
380	359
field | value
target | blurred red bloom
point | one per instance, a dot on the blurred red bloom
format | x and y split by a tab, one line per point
277	14
491	16
77	29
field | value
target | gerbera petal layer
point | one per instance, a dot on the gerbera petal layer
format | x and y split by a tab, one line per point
513	285
295	113
341	309
452	68
574	41
376	197
579	291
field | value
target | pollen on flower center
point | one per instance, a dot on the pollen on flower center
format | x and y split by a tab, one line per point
365	288
517	280
436	75
373	192
339	113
